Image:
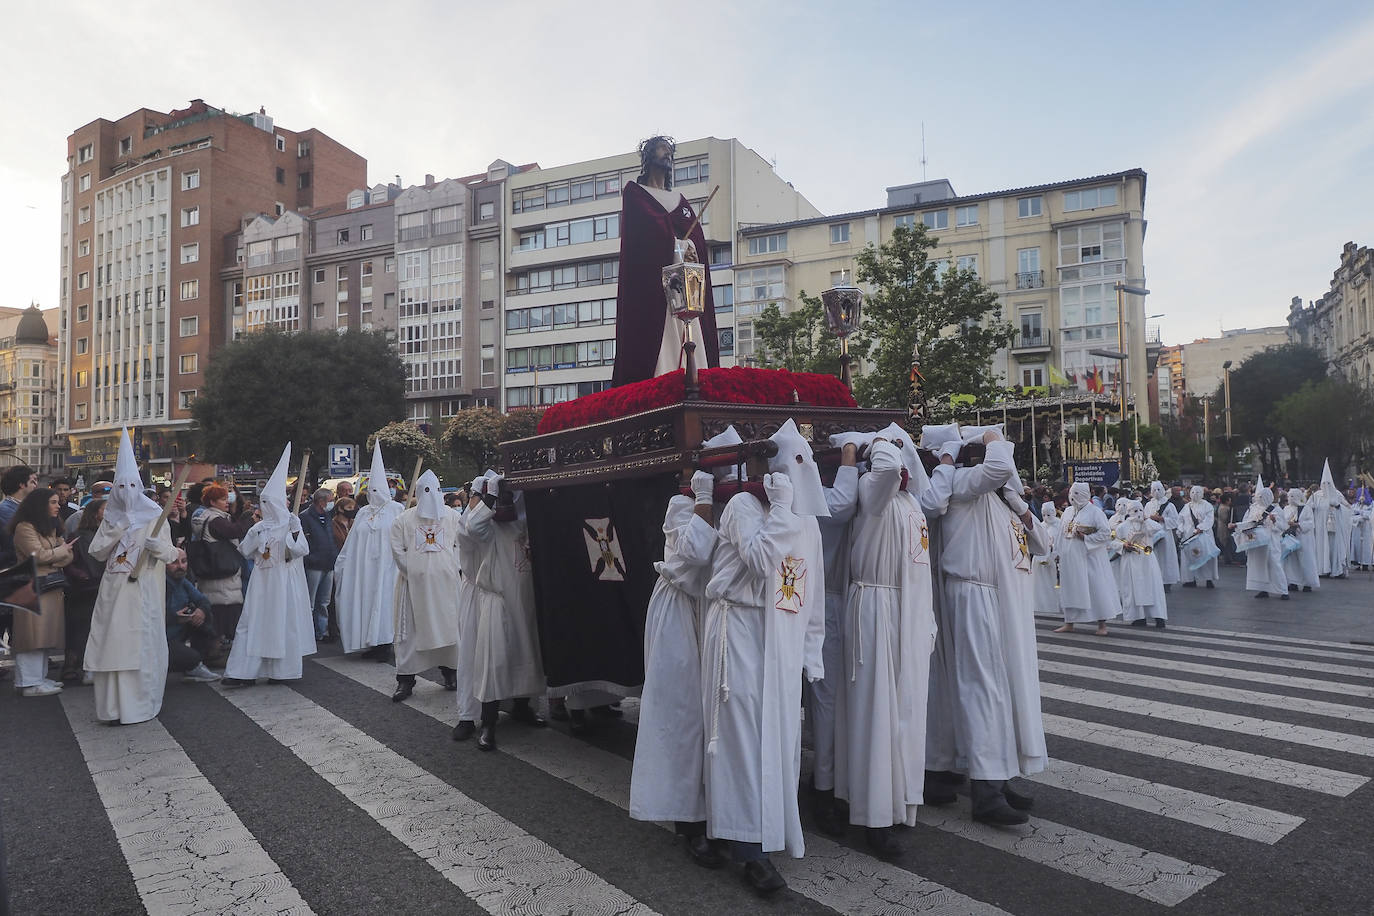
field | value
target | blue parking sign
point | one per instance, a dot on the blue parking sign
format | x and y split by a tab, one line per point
343	460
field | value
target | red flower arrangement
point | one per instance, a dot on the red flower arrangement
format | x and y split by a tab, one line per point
738	385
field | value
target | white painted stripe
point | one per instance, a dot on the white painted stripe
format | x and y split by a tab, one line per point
1214	691
1151	875
187	850
1151	636
1223	759
1206	718
838	877
500	867
1185	805
1241	634
1237	674
1263	661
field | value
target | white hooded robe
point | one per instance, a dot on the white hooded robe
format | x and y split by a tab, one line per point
1087	584
424	544
365	572
1197	539
506	658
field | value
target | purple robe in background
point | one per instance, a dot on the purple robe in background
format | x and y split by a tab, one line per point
647	233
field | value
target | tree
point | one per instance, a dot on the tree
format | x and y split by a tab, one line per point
313	387
800	340
1257	386
955	320
520	423
1327	419
472	438
402	443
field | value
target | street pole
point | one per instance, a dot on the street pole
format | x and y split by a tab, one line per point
1206	438
1121	370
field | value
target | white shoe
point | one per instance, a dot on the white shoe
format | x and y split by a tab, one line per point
41	690
87	679
51	683
200	674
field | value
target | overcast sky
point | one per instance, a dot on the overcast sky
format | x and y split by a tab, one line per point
1254	120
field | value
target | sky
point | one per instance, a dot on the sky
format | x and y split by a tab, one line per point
1253	120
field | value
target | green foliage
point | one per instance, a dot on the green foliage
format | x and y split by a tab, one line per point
473	437
521	423
955	320
1257	386
402	443
1330	418
313	387
800	340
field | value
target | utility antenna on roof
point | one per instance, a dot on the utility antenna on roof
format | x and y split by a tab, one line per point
923	150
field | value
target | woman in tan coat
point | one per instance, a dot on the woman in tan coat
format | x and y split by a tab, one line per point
36	534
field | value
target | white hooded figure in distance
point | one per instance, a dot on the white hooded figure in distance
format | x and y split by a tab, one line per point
1141	584
424	544
1165	549
1263	564
1332	520
666	783
277	630
1045	569
1197	545
1087	585
888	635
764	628
1300	566
365	572
127	649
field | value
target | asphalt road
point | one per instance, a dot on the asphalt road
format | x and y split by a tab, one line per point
1219	766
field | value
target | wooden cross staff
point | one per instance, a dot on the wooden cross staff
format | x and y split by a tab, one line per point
414	482
696	222
300	483
180	481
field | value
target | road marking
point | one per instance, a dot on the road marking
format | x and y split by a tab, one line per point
1257	637
500	867
1215	691
838	877
1224	815
1298	664
1170	636
187	850
1222	721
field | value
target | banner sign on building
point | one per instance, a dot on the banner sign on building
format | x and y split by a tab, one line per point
1094	473
343	460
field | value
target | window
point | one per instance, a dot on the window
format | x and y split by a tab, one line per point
190	289
444	220
281	143
81	411
723	297
341	237
83	313
82	345
365	233
83	247
966	216
188	364
319	275
486	210
410	226
303	180
389	264
1033	376
968	262
302	149
190	326
83	280
768	244
1028	206
126	146
1030	329
760	284
317	310
935	219
839	233
281	175
83	215
1090	198
280	208
190	180
84	183
1090	244
388	301
190	253
1028	274
186	398
85	153
720	256
726	340
190	216
905	221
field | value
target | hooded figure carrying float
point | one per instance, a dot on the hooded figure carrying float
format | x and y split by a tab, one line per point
277	629
424	544
365	572
127	649
764	628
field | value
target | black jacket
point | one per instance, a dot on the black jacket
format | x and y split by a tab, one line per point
319	534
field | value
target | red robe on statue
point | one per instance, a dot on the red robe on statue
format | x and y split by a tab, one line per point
647	233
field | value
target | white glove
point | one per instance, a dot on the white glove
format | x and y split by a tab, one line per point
992	435
294	525
703	486
479	486
152	543
1014	500
778	489
951	448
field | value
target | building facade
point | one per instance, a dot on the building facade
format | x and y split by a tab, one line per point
29	374
146	203
1052	253
1204	359
555	339
1338	324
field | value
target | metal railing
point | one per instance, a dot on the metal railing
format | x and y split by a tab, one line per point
1030	279
1032	340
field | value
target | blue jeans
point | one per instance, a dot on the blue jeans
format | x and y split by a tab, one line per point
320	584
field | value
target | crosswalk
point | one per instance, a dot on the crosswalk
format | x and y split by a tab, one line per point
1189	769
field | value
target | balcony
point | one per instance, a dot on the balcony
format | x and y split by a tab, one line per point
1029	342
1030	279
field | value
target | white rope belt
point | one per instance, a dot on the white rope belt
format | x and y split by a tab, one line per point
858	634
721	694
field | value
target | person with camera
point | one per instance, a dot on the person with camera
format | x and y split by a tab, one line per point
191	636
34	533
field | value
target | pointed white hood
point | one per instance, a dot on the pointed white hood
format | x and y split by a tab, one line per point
1158	492
1197	494
1079	495
794	459
129	507
728	436
932	437
378	491
429	500
976	433
275	511
917	480
1333	496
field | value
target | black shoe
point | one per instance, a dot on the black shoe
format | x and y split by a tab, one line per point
577	722
1307	588
882	842
1167	586
377	652
404	688
1190	585
486	738
703	851
558	709
1159	623
990	805
1138	623
1262	595
1292	587
1283	597
450	678
606	712
937	792
278	681
828	816
945	777
763	878
1211	584
235	682
524	712
1018	801
464	730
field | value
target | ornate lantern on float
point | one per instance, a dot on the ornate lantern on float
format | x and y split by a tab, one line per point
684	290
843	310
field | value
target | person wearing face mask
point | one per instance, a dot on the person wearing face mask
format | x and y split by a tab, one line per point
1300	566
1087	589
127	649
319	563
1197	546
424	544
763	632
1140	582
1161	510
1045	570
1258	532
275	632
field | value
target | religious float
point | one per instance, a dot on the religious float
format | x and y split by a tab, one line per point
597	477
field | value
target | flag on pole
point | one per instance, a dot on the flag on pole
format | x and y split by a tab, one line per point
1057	377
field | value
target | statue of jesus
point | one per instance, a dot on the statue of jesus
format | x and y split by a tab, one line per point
653	217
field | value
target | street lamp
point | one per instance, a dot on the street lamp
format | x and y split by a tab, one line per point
1121	290
1226	394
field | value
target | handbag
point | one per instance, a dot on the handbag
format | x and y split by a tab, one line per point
212	559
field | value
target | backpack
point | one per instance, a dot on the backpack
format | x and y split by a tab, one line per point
211	559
